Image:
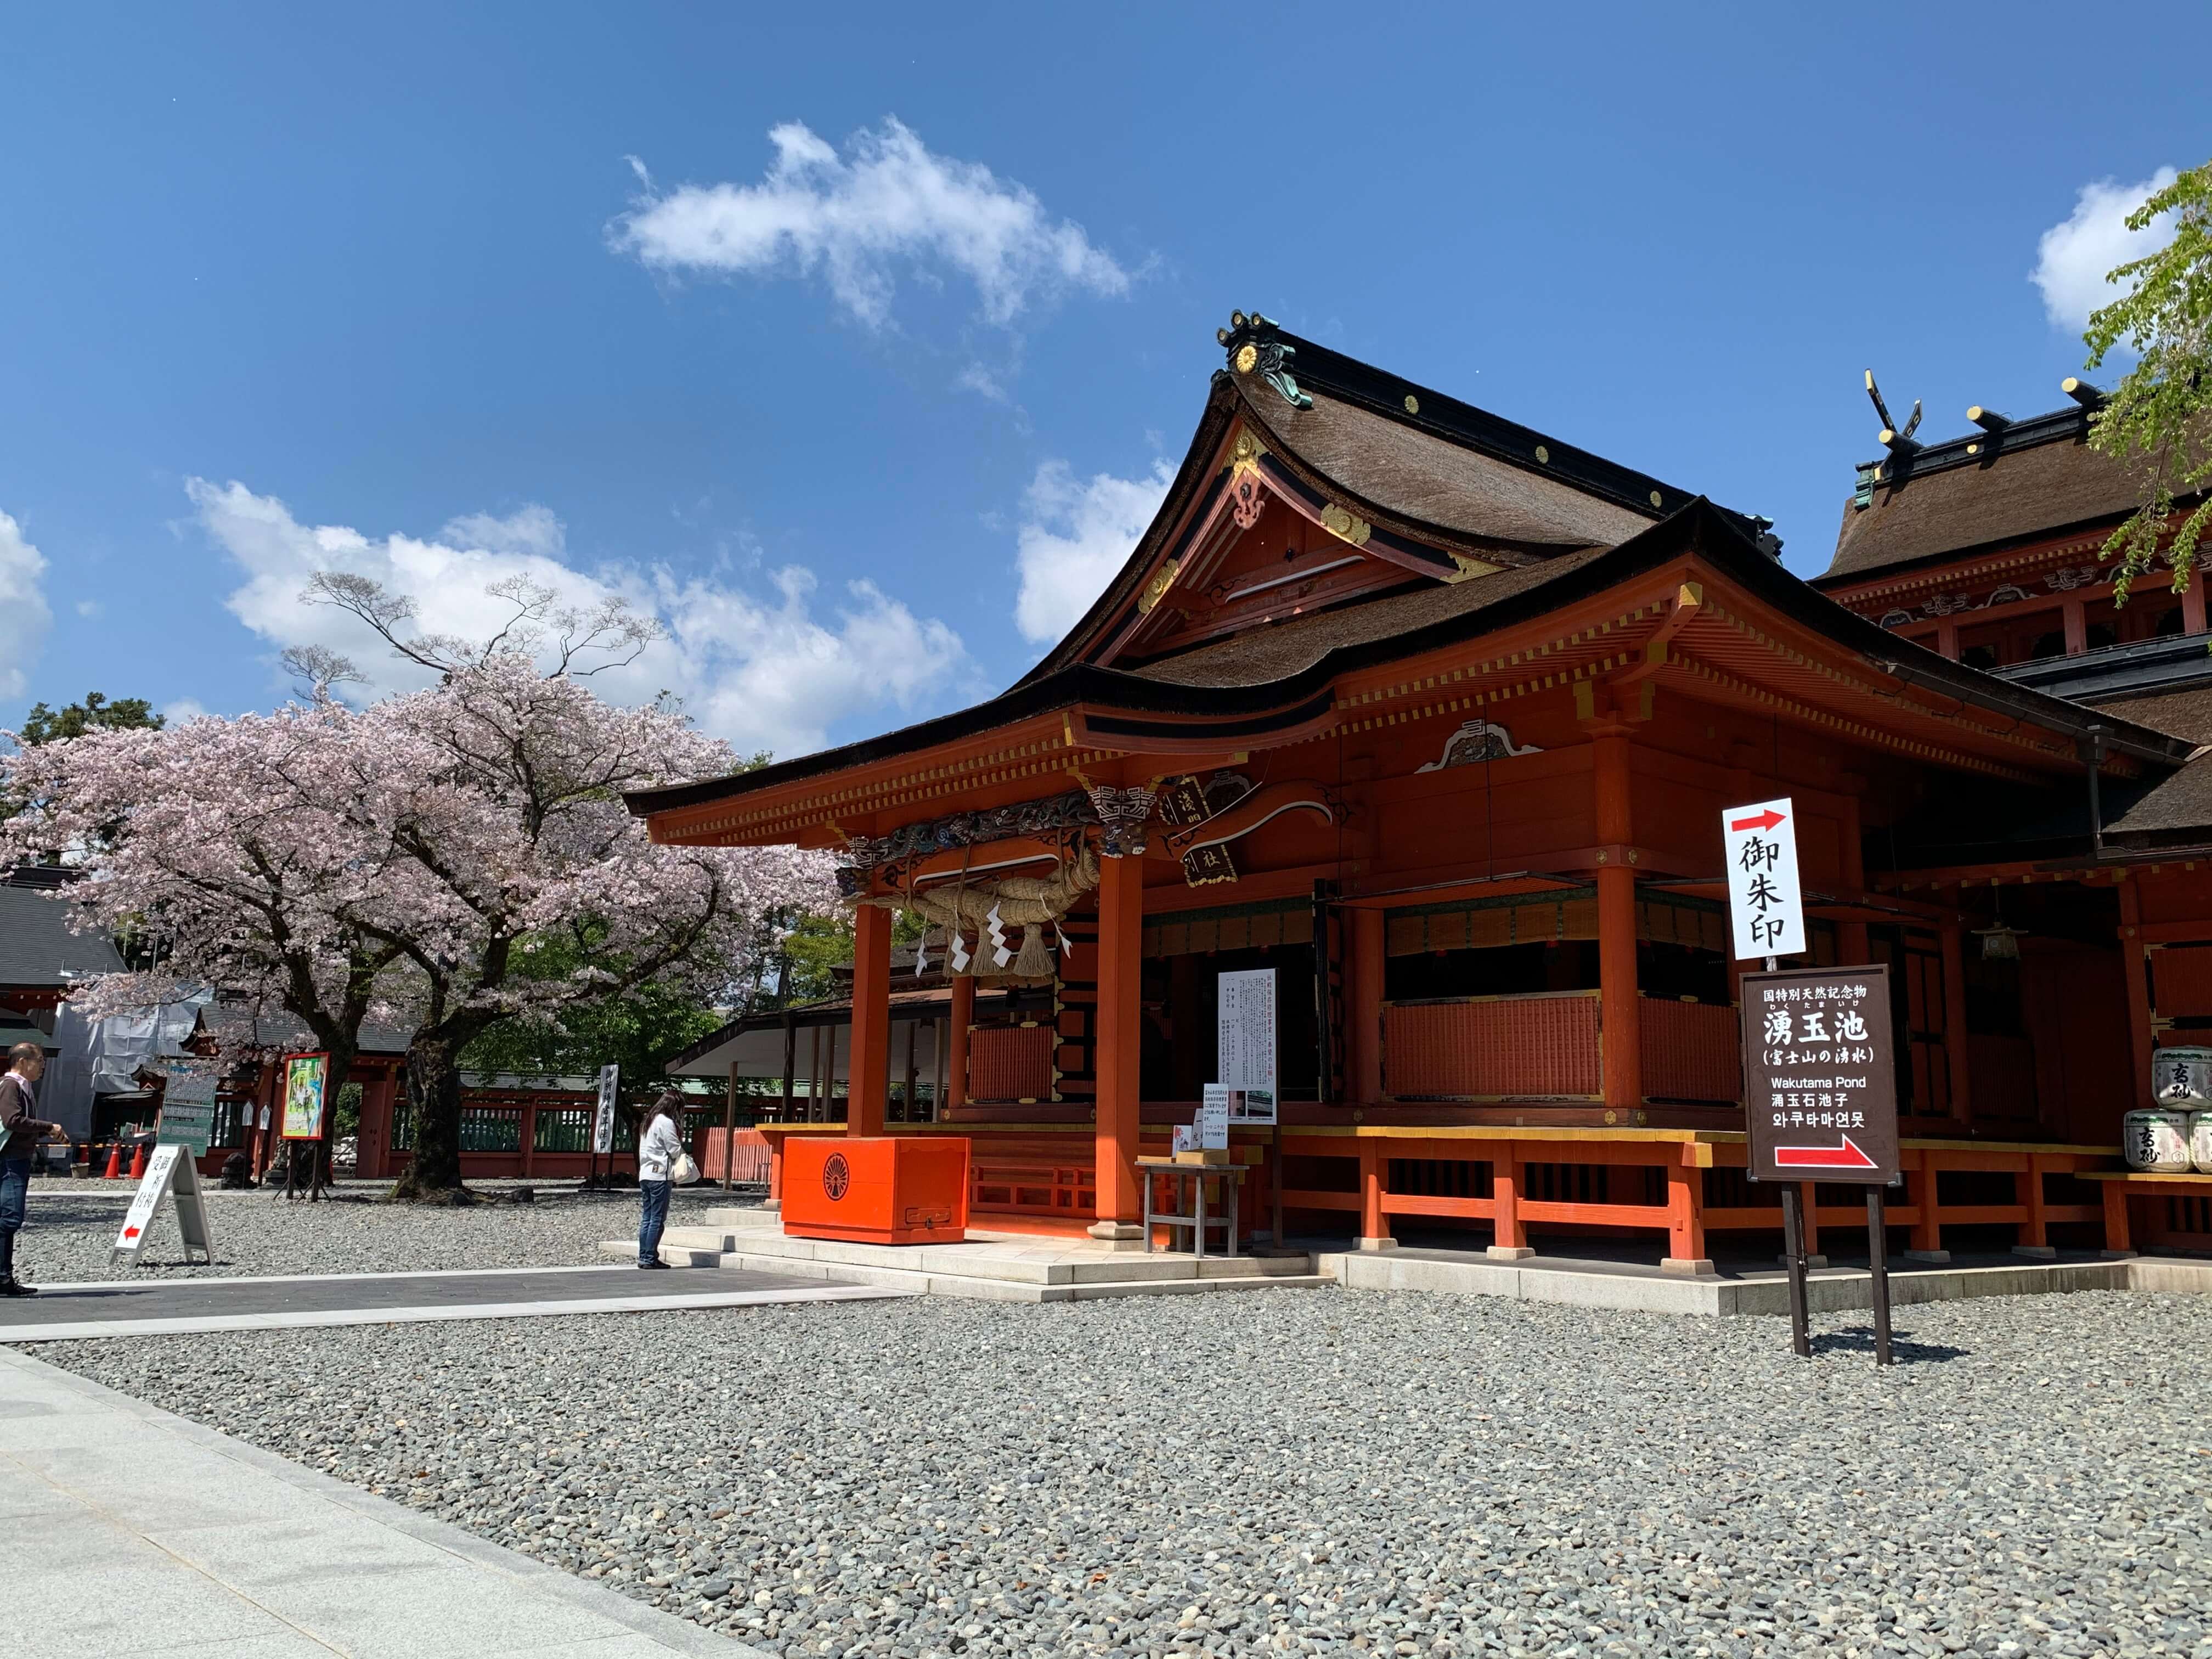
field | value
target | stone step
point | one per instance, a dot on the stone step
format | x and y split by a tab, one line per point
742	1215
979	1288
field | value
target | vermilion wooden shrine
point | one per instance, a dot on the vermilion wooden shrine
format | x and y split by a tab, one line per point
1437	715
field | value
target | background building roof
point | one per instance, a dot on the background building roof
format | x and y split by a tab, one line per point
37	949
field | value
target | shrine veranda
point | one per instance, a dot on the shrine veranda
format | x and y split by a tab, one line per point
1437	716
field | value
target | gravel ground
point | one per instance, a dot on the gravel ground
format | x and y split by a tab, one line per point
72	1226
1384	1473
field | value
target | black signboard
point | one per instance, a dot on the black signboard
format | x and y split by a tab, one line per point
1820	1070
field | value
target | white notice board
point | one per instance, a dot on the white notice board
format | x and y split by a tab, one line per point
174	1172
603	1119
1765	911
1246	1044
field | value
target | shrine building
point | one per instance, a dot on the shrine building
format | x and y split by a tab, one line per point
1437	716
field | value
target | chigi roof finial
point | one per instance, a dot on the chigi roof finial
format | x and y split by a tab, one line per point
1891	438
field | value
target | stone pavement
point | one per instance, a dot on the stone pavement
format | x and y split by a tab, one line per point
129	1530
150	1307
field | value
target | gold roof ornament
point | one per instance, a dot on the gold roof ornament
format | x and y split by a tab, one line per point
1346	526
1155	589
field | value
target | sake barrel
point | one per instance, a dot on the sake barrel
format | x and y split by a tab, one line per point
2183	1077
2156	1140
2200	1140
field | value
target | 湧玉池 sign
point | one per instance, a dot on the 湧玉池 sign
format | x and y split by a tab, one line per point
1820	1067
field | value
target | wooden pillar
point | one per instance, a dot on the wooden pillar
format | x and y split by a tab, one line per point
790	1064
2116	1211
1509	1238
729	1131
2035	1233
1373	1227
1947	639
1686	1218
1364	938
2141	1040
956	1064
528	1136
2193	608
1954	1021
2077	627
372	1138
1620	1018
869	1065
1927	1231
1851	943
1120	1031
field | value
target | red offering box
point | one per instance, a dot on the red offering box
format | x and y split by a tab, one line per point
892	1190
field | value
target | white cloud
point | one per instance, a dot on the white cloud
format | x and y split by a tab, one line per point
183	710
890	203
24	617
2072	257
979	380
89	608
774	671
1075	536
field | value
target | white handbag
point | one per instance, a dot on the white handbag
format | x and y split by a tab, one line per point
683	1170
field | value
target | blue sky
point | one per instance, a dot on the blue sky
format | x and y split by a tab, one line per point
863	409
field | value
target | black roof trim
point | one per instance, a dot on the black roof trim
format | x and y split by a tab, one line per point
2141	668
1981	448
1442	416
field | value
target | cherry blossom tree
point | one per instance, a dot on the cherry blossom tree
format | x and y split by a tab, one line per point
242	851
410	859
518	834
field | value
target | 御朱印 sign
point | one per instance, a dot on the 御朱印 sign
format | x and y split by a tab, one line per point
1766	912
1820	1067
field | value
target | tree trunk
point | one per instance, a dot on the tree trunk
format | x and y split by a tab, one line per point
434	1093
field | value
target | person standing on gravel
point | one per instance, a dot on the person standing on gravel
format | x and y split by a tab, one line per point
20	1133
657	1149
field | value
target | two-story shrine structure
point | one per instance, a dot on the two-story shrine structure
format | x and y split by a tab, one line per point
1437	716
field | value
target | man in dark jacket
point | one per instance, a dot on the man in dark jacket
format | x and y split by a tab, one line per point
19	1094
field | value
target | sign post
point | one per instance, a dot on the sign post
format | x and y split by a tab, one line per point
171	1171
1819	1068
1245	1049
306	1082
603	1120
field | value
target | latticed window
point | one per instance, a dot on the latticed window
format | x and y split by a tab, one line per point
563	1129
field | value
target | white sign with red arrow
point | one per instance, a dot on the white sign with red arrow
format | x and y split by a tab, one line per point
172	1172
1764	910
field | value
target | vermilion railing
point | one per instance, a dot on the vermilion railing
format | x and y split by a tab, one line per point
1543	1046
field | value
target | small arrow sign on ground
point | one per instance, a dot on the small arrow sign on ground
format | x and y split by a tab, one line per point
1849	1155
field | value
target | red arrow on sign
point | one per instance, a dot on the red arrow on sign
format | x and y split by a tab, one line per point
131	1232
1765	820
1849	1155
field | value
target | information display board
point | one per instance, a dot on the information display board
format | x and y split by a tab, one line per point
189	1124
1820	1067
306	1078
1245	1047
172	1172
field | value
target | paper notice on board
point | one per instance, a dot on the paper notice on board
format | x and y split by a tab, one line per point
1213	1116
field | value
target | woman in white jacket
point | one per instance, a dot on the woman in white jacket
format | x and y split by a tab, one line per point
658	1145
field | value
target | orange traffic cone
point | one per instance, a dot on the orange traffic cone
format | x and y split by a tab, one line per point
115	1161
138	1161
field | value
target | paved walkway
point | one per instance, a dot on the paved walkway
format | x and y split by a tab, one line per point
129	1530
154	1307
